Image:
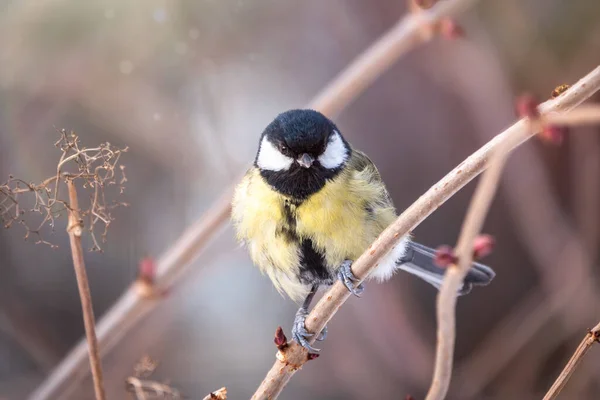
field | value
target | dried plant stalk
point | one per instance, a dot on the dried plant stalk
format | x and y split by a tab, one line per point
586	344
75	229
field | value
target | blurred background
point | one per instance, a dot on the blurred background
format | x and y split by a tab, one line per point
189	86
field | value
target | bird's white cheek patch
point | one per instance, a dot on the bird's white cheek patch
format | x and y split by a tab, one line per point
335	153
270	158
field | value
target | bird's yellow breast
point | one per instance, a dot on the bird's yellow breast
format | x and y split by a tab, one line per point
341	220
258	215
335	220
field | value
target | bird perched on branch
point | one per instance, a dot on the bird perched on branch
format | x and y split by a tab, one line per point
311	205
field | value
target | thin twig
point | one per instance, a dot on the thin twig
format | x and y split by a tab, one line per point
539	221
446	301
75	228
399	40
294	356
586	344
345	87
220	394
587	114
453	279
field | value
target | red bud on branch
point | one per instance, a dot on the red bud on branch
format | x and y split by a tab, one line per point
483	246
280	339
526	106
554	134
450	29
147	270
445	256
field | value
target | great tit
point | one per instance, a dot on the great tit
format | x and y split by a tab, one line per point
311	205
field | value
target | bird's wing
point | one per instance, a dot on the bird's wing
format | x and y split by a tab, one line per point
365	170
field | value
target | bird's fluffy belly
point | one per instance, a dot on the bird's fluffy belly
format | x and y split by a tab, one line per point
339	221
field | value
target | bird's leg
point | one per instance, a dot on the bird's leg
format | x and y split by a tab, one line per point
299	332
348	278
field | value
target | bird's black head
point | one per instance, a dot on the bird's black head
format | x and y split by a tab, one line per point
299	151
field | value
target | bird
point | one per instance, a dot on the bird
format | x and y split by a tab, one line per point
311	204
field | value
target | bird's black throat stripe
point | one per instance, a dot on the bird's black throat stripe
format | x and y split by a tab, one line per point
299	182
312	265
288	228
312	262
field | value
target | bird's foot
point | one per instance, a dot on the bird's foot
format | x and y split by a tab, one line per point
349	280
301	335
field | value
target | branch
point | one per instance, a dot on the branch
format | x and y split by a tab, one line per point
586	344
349	84
541	221
453	279
480	204
294	356
75	228
407	34
220	394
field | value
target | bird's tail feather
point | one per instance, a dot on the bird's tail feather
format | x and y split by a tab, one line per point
419	260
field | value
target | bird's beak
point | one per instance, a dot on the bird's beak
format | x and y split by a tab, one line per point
305	160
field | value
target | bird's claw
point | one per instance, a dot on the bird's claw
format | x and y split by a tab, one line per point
323	335
299	332
301	335
349	280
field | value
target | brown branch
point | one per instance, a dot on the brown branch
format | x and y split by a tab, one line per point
541	222
220	394
446	304
294	356
399	40
586	344
75	229
453	279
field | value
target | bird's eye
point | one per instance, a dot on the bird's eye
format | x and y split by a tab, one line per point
282	147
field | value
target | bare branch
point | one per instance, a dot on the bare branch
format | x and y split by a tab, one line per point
453	279
399	40
220	394
446	300
294	356
588	341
